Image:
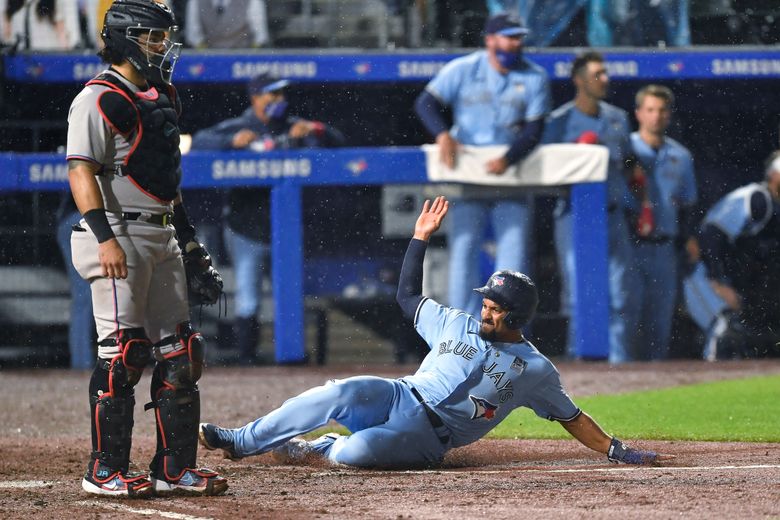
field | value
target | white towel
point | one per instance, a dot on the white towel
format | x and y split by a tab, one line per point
547	165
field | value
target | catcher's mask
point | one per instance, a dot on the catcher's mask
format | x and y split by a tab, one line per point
515	292
139	30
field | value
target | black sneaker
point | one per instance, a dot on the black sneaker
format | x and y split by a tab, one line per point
213	437
118	485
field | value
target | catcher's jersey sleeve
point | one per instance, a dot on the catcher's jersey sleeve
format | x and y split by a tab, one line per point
89	137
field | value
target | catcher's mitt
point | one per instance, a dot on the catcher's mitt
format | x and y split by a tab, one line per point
204	284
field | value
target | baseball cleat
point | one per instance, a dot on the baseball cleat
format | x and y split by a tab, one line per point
294	450
299	450
213	437
201	481
117	485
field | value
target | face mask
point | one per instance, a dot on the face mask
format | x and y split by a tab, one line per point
508	59
276	110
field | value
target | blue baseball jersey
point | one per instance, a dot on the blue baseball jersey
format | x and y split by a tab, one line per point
671	182
473	384
733	215
490	108
567	123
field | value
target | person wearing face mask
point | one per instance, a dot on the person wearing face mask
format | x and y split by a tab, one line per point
497	97
266	125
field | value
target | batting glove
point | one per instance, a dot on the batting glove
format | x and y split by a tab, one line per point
619	452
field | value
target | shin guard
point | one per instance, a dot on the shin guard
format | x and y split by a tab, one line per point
112	399
176	400
111	406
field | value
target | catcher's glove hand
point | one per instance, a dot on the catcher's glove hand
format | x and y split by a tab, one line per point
619	452
204	284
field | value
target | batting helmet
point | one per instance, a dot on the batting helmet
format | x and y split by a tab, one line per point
515	292
138	30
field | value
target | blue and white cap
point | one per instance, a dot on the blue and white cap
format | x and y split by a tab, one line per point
506	24
265	83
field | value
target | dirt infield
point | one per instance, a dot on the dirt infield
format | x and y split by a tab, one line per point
44	442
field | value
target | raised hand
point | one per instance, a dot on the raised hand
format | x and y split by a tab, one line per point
430	218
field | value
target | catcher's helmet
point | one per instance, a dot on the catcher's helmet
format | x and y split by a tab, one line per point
515	292
138	30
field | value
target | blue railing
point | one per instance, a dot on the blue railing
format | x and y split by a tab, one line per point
287	173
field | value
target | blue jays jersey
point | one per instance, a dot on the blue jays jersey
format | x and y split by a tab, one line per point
567	123
672	184
473	384
490	108
733	215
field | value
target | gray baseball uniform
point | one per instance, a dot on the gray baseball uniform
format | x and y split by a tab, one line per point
154	295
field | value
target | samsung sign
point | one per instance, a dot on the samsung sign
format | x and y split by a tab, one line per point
260	168
618	69
47	172
277	69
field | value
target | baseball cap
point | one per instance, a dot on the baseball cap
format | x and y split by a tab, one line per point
506	24
264	83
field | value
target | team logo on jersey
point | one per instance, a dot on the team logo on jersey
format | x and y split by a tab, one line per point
518	365
483	408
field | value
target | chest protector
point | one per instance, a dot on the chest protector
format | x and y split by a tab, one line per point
149	120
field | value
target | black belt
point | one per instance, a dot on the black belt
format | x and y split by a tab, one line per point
433	418
162	219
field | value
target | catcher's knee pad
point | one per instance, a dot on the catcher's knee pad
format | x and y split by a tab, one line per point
132	348
177	412
111	399
185	351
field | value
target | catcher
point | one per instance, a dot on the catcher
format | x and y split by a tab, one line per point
134	245
476	373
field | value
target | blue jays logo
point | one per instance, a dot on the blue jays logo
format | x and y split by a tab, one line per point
675	66
362	68
196	69
483	408
498	280
357	166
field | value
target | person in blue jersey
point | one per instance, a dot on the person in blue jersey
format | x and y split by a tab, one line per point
265	126
588	119
733	292
496	97
666	187
478	371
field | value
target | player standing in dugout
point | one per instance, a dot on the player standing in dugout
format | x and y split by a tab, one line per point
139	252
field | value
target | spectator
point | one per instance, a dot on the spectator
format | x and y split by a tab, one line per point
666	188
94	13
497	97
546	19
638	23
226	24
81	330
589	119
264	126
44	25
733	294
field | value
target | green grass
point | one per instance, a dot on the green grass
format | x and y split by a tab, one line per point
736	410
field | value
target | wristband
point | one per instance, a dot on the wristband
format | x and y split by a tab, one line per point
98	223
